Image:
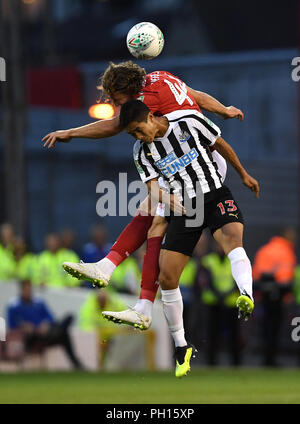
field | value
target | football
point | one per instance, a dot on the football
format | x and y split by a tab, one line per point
145	40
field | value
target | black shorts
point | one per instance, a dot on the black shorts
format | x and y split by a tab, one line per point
220	209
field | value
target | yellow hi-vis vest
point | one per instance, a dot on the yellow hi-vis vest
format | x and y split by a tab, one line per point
27	268
7	264
188	275
222	280
127	276
90	314
296	286
50	270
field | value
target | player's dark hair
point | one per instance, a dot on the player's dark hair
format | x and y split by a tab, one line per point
126	77
133	111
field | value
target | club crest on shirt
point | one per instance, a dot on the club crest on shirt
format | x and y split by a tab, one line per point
208	121
184	136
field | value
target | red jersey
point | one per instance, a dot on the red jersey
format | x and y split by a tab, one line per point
164	93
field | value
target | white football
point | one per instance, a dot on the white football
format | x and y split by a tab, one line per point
145	40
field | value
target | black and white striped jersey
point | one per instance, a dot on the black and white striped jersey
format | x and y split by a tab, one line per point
182	156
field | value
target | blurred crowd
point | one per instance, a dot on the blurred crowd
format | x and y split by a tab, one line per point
208	289
18	262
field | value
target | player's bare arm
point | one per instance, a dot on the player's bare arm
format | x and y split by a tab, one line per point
210	104
159	195
229	154
95	130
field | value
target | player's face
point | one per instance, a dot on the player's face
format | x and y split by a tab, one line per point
144	131
119	98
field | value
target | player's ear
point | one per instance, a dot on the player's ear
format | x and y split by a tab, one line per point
150	118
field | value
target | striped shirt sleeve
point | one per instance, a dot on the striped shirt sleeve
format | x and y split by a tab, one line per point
145	169
208	132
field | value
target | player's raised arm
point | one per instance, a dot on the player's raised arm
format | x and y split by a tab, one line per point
95	130
209	103
229	154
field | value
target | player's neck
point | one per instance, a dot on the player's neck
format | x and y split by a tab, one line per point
162	126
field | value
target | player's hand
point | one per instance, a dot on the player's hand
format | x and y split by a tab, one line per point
233	112
251	183
60	136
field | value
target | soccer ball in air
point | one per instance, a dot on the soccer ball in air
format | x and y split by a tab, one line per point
145	40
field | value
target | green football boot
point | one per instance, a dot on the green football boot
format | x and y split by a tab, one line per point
245	306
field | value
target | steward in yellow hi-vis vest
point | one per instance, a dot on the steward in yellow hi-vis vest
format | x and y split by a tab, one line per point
186	284
26	263
127	277
27	268
223	288
187	280
90	317
50	270
296	286
219	294
7	264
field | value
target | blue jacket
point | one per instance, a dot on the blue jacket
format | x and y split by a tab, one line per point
34	312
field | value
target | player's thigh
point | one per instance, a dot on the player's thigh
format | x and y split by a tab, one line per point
225	219
177	248
171	265
230	236
158	227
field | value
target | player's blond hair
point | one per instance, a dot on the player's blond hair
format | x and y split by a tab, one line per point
126	77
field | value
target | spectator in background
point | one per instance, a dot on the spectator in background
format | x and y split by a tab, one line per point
68	240
26	263
67	251
219	294
126	277
273	272
197	313
186	283
97	248
7	236
32	317
7	263
50	271
90	317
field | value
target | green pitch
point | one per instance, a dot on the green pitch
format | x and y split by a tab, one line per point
200	386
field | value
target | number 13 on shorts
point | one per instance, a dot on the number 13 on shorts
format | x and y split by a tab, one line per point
227	206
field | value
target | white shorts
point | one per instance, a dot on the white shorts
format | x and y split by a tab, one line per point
160	211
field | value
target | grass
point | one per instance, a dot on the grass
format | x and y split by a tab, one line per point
201	386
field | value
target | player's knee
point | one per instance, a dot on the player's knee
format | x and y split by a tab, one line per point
232	241
166	281
232	237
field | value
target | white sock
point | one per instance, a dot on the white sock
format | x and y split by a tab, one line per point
107	266
144	307
241	270
173	309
